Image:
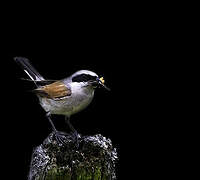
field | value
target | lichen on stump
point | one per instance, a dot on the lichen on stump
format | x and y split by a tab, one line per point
93	159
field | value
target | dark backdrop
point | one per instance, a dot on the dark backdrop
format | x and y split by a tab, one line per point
123	46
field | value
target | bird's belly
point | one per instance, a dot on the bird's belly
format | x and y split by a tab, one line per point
67	106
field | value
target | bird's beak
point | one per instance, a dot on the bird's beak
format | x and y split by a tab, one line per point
101	82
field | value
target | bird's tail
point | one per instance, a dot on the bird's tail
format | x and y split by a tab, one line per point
25	64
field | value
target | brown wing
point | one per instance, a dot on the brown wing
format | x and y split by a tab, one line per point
55	90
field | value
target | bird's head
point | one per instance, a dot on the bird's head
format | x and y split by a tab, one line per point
89	78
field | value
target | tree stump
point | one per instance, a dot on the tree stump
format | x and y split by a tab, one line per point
93	159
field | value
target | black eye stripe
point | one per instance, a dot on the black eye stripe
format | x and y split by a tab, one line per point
83	78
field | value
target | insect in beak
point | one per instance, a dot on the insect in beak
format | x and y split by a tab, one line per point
101	82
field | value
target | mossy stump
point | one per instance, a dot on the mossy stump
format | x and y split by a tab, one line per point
93	159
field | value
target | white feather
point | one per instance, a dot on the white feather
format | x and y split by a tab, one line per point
29	75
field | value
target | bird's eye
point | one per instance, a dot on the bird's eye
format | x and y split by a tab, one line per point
83	78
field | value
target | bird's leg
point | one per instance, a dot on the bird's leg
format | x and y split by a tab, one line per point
48	115
60	136
74	132
67	120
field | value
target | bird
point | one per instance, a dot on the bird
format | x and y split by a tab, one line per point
66	97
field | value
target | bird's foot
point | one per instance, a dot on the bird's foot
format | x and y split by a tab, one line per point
60	137
75	137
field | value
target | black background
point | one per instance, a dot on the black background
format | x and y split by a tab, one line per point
123	45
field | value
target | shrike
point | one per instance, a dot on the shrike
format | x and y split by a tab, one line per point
64	97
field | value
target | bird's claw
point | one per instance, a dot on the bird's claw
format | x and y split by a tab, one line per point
75	137
60	137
